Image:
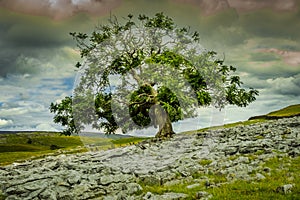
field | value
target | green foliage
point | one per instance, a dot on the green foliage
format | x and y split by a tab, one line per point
159	65
64	116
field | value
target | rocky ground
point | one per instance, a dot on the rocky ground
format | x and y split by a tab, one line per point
121	173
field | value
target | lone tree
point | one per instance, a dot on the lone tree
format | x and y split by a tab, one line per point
146	72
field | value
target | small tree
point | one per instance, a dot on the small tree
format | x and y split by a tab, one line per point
146	72
64	115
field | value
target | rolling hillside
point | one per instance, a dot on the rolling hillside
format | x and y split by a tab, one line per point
290	111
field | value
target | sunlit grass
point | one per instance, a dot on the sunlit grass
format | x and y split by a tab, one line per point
283	171
241	123
285	112
20	147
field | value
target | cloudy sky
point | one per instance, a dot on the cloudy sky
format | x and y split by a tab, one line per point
37	55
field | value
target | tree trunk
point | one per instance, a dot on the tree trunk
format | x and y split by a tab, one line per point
163	122
166	130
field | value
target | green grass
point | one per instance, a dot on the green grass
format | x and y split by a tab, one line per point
180	188
126	141
290	111
22	146
241	123
205	162
286	112
19	147
283	171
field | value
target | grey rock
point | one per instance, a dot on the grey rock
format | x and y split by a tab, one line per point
259	176
193	186
148	195
133	188
74	179
173	196
242	159
230	150
48	194
165	196
203	195
107	179
172	182
151	180
104	174
285	188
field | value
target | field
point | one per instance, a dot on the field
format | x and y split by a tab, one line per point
290	111
22	146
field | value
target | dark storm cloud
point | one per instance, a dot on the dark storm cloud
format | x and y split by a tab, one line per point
285	86
263	57
250	5
20	31
232	22
272	24
27	41
210	7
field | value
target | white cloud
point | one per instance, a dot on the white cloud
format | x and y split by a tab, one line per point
13	111
285	86
26	98
45	127
4	122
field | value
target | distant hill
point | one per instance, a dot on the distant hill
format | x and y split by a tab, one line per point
87	134
103	135
15	132
290	111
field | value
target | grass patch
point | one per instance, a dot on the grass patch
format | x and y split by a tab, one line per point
259	152
2	197
22	146
180	188
286	112
10	157
290	111
19	147
205	162
241	123
283	171
183	186
127	141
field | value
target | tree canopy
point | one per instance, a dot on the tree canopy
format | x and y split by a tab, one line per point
145	72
